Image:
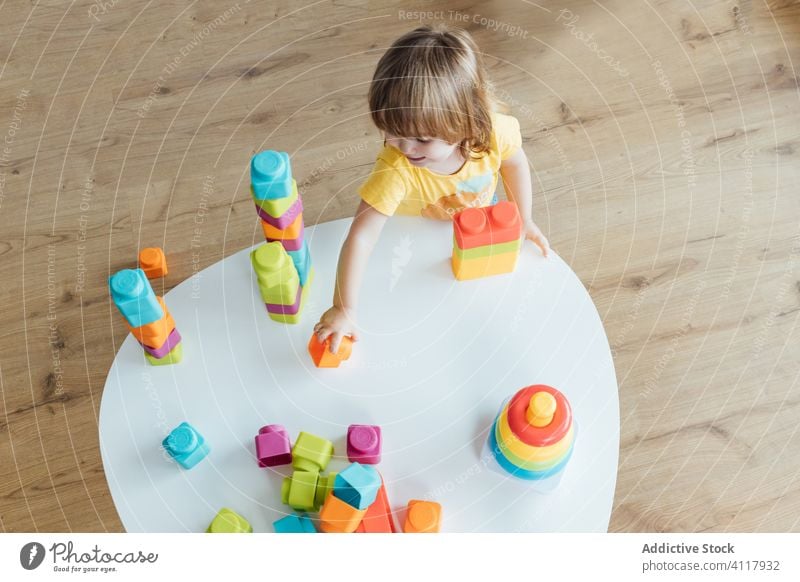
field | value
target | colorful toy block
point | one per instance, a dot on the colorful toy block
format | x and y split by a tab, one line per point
324	486
228	521
364	444
290	232
172	341
155	333
271	175
153	262
487	266
302	262
321	351
294	524
487	250
311	453
174	356
186	445
279	206
298	490
422	517
490	225
357	485
529	402
289	243
338	516
378	518
277	278
291	313
273	447
134	297
283	219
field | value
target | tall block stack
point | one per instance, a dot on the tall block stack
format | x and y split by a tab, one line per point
486	241
283	264
146	316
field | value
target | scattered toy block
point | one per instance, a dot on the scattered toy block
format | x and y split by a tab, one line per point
277	278
271	175
294	524
422	517
186	445
279	206
364	444
357	485
302	262
228	521
283	314
174	356
173	339
475	227
273	447
153	262
134	297
290	232
311	453
484	266
321	351
298	490
338	516
324	486
378	518
155	333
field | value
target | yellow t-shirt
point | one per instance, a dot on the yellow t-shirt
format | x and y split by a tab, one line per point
397	187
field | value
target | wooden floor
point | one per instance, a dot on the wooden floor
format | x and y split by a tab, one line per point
664	138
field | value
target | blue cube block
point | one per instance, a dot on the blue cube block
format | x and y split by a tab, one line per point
357	485
186	445
134	297
302	261
294	524
271	175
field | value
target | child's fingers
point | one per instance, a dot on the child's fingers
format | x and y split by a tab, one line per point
336	339
354	336
322	334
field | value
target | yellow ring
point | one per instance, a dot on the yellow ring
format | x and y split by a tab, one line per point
526	452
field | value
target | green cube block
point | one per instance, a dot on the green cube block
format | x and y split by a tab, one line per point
324	486
311	453
173	357
299	490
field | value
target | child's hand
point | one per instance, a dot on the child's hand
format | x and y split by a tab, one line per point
533	233
336	322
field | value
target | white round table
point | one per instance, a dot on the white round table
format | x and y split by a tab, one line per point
436	359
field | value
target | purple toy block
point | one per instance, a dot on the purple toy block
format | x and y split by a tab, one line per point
364	444
272	446
287	309
284	219
291	244
173	339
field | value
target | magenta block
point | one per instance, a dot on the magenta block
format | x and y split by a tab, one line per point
272	446
173	339
287	309
364	444
284	219
291	244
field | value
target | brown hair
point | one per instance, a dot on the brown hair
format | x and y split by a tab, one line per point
431	83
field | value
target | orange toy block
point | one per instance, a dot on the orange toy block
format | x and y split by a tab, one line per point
153	262
337	516
289	233
378	518
156	333
322	355
477	227
422	517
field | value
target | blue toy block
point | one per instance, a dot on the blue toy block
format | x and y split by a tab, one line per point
357	485
302	262
294	524
271	175
134	297
186	445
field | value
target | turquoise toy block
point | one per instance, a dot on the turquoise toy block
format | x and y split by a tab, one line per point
357	485
311	453
271	175
294	524
134	297
186	445
302	261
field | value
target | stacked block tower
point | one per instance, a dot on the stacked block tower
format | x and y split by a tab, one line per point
533	436
283	264
147	316
486	241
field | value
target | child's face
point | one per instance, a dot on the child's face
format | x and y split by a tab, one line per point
422	151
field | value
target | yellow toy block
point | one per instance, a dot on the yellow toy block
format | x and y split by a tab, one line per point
484	266
228	521
508	441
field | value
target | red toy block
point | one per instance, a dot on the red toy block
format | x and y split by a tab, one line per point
322	355
378	518
153	262
476	227
533	435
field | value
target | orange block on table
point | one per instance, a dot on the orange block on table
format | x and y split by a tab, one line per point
290	232
422	517
378	518
337	516
477	227
153	262
156	333
321	351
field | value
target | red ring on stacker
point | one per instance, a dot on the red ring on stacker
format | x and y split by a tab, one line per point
536	436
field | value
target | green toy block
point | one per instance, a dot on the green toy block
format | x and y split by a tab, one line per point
304	293
298	491
278	206
173	357
487	250
324	486
276	274
311	453
228	521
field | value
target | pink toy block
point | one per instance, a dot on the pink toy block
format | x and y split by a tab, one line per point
364	444
173	339
284	219
290	244
292	309
272	446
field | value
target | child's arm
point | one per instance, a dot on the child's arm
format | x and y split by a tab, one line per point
340	319
517	181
